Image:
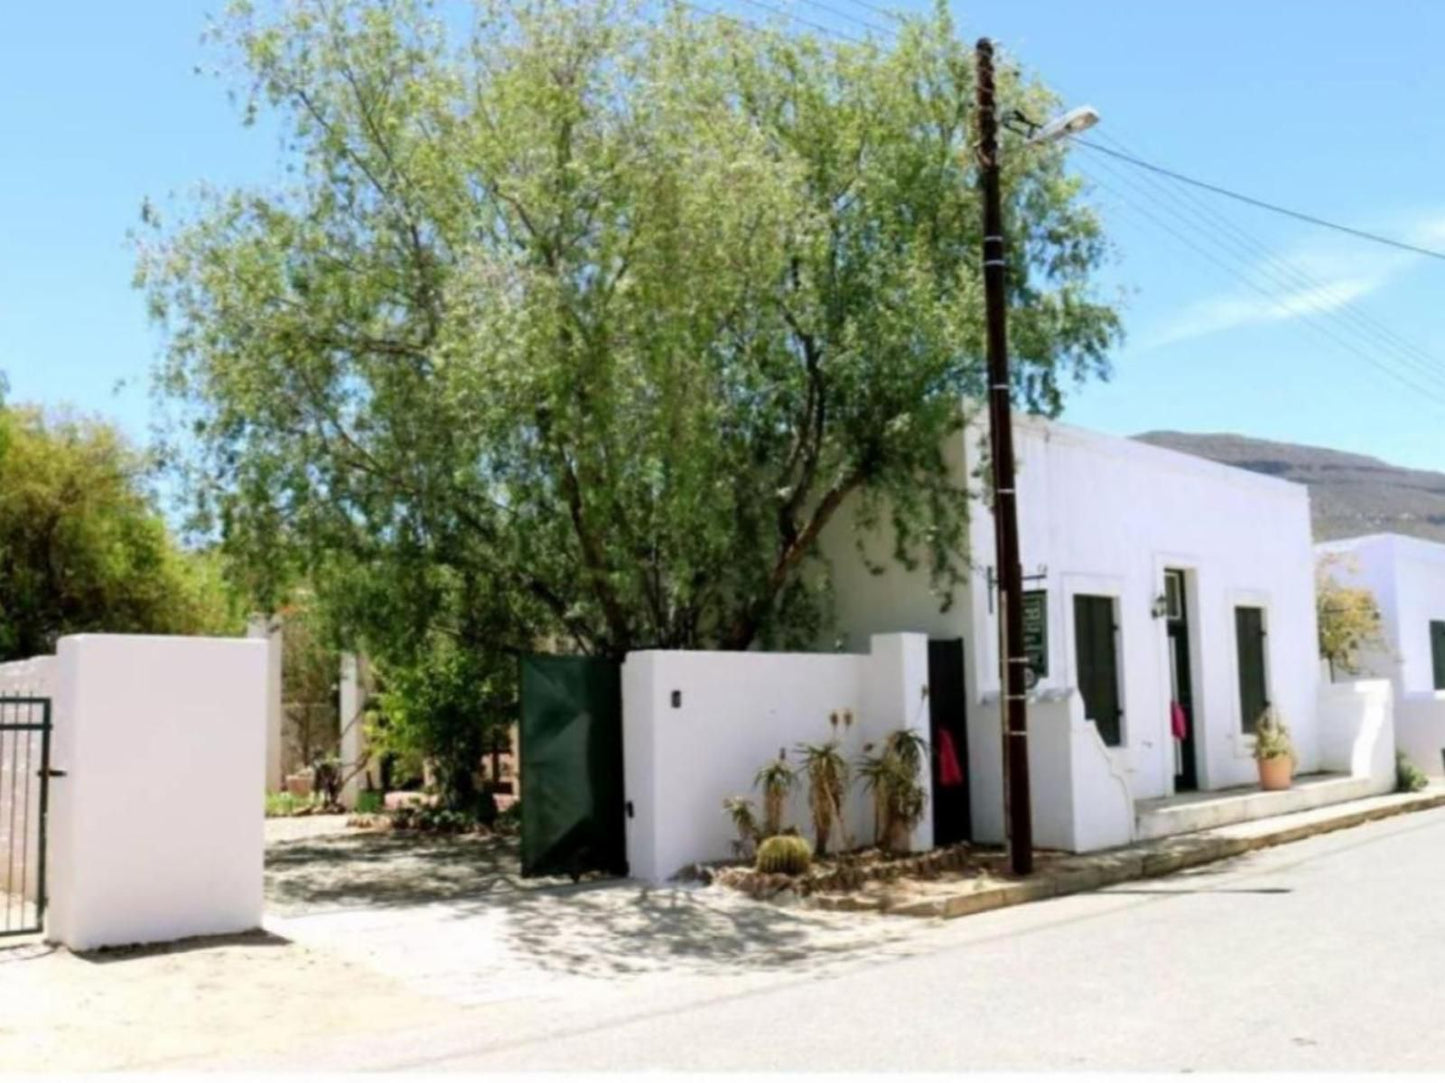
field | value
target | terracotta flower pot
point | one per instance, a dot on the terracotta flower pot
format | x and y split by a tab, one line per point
1276	773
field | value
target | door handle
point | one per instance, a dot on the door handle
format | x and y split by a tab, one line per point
50	772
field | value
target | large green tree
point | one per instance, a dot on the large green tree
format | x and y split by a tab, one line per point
588	322
83	547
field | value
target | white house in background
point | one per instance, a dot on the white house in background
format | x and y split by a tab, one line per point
1407	577
1158	578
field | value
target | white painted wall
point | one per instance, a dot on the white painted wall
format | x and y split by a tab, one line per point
1357	731
737	710
269	630
1080	799
29	676
1107	515
353	730
1407	577
157	831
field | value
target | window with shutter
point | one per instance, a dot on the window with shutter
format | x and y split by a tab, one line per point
1096	654
1249	636
1437	652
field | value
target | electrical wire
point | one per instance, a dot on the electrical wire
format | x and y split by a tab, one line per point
1252	201
1432	396
1223	231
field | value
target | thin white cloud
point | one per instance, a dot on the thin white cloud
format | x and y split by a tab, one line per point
1306	282
1240	309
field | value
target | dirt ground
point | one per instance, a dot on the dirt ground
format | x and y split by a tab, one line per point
371	933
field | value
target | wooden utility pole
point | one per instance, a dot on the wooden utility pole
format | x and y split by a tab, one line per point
1012	661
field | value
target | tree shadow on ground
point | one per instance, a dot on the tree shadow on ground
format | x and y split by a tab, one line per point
596	928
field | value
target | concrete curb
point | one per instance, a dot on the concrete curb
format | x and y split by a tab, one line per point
1159	857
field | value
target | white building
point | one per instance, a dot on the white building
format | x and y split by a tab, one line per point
1159	578
1407	577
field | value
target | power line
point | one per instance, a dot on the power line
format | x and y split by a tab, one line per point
1276	208
1289	274
1405	381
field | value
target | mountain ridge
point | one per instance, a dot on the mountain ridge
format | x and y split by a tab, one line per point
1350	494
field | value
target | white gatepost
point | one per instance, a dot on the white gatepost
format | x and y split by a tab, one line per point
269	629
353	727
156	833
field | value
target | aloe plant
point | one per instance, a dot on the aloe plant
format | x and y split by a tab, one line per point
776	779
745	822
828	773
893	775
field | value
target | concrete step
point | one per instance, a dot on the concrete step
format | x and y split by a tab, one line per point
1184	813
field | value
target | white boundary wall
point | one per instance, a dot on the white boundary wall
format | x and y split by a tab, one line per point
735	711
157	830
1407	577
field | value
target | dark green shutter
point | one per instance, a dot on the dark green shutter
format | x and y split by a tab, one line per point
1096	651
1249	642
1437	652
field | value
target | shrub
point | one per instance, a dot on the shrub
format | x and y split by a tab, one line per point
1408	777
441	710
287	804
789	854
894	776
745	822
370	802
776	779
1271	737
827	773
440	821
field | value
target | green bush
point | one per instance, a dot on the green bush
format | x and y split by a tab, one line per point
370	802
428	818
790	854
1408	777
286	804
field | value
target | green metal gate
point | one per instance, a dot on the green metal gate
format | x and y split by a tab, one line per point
24	799
571	771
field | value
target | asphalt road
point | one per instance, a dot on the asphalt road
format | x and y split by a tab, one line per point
1327	953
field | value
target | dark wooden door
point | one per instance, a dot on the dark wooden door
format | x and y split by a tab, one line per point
1437	652
1096	652
1186	774
948	738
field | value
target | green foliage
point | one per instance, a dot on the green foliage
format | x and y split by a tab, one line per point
82	545
1271	737
894	776
745	822
288	804
788	854
586	326
828	775
1349	619
776	779
1408	777
442	709
370	802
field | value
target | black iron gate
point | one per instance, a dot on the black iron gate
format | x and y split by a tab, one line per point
571	771
24	799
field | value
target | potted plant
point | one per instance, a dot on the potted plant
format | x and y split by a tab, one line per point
1273	751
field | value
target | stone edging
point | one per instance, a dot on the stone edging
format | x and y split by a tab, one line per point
1089	872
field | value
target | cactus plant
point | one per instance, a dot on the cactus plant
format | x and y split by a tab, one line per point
788	854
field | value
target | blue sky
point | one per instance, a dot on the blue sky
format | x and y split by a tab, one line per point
1323	106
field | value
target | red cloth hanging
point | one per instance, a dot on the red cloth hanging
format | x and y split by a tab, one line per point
1178	722
949	772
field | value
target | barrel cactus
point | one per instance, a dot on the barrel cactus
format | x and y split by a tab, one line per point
787	854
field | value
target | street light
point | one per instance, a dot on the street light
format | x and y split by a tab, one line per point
1013	661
